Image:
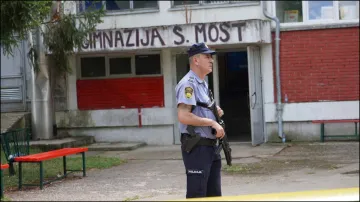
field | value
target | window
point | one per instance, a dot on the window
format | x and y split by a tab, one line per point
145	4
289	11
208	2
89	4
316	11
93	67
112	5
120	65
348	10
114	66
147	64
117	5
321	10
180	3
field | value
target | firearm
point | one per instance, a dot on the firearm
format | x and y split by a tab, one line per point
223	143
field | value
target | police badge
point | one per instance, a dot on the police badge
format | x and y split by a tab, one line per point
188	92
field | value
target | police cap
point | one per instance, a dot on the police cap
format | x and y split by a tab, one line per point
199	48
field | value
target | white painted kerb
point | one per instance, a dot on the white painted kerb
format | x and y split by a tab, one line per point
314	111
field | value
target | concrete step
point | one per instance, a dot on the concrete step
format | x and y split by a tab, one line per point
14	120
76	141
115	146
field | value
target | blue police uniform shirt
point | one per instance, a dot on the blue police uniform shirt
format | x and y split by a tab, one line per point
189	90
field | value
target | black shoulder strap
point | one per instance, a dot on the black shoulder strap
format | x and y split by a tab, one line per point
203	104
200	104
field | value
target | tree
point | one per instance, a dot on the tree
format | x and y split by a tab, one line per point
62	31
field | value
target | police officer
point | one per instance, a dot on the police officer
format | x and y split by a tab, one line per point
202	165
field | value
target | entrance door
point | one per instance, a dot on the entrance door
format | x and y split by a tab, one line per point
255	96
234	89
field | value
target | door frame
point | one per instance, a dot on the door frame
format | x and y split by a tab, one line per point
260	101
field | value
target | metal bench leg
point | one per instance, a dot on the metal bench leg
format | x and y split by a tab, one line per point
84	167
20	175
1	184
356	131
41	175
64	164
322	132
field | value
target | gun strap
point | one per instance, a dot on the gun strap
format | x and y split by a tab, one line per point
202	104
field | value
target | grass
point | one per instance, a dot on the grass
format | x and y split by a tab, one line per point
273	165
132	198
54	167
5	199
241	168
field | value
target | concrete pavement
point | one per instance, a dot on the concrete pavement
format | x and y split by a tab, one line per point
157	173
172	152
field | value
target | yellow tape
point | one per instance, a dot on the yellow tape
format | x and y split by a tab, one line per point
346	194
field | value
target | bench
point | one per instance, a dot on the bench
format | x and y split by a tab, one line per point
3	167
322	128
40	157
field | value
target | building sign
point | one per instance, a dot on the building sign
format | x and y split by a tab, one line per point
252	31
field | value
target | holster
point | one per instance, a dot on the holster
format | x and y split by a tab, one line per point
189	141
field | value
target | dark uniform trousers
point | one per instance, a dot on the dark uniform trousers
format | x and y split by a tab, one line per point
203	169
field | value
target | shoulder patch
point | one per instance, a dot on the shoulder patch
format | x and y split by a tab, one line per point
191	79
188	92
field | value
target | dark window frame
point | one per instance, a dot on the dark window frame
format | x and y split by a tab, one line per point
107	66
83	5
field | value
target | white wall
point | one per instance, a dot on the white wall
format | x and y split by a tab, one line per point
309	111
170	16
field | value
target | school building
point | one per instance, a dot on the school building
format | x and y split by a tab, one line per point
122	84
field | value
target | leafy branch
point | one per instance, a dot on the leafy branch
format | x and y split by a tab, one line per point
19	17
64	33
68	33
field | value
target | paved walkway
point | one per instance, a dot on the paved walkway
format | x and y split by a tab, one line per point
156	173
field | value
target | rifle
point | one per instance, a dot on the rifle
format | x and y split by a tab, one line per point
223	143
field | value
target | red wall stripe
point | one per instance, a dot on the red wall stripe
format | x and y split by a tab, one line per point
145	92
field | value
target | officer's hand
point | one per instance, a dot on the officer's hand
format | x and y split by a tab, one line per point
220	111
219	130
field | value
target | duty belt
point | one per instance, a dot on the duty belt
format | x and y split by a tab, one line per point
203	141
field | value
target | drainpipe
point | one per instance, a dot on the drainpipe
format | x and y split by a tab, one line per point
279	107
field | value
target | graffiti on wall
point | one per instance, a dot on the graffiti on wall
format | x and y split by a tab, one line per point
173	36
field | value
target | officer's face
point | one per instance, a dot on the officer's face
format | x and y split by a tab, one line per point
205	63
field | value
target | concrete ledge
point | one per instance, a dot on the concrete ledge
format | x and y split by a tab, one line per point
47	145
117	146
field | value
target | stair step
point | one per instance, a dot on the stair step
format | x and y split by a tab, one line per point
115	146
76	141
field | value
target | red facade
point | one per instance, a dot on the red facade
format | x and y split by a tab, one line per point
319	65
145	92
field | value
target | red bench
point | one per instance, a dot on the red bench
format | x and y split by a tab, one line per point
40	157
3	167
322	128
